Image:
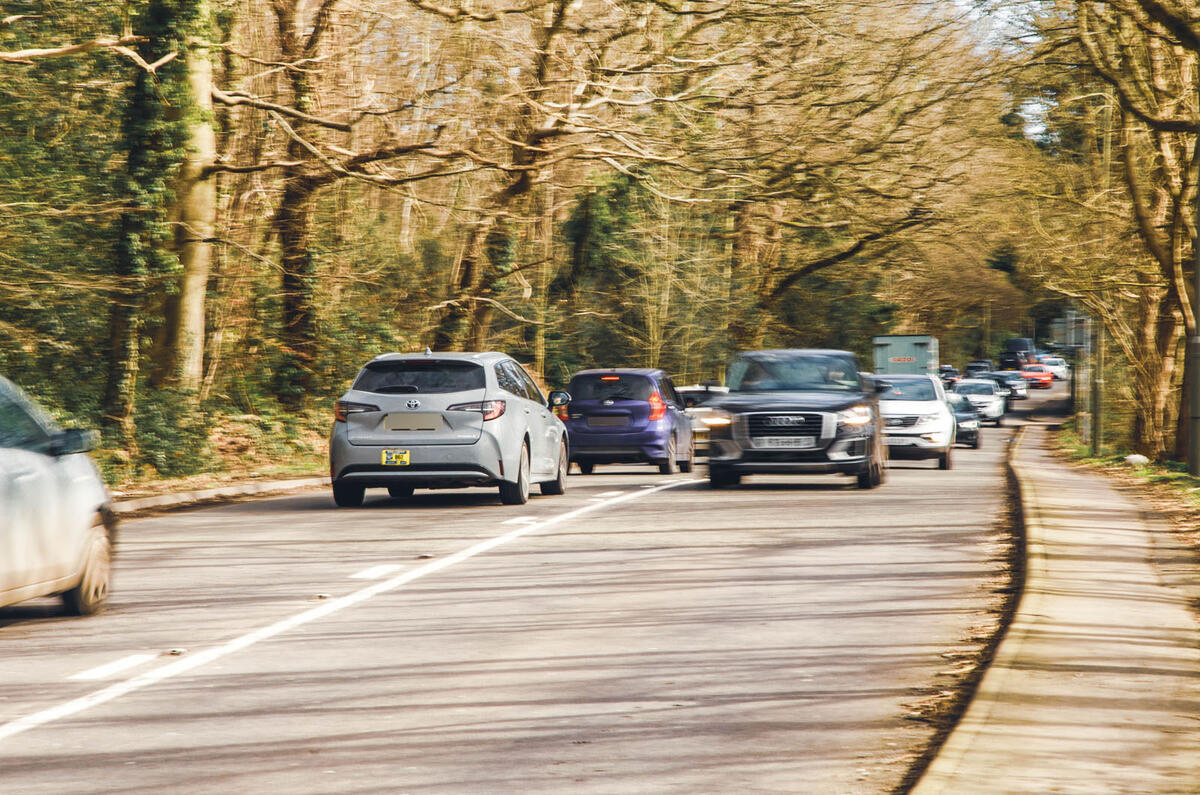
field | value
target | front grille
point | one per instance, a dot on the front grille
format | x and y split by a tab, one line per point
900	422
784	425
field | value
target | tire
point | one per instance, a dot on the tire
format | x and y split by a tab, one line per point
518	493
872	476
559	484
400	492
669	465
978	441
999	420
90	596
586	467
944	460
689	463
348	495
720	477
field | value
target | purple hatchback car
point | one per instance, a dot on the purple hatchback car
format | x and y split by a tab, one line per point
627	416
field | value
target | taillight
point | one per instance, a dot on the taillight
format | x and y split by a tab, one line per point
561	412
344	408
490	409
658	409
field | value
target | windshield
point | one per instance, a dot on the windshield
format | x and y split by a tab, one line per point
610	387
975	389
910	390
419	377
798	372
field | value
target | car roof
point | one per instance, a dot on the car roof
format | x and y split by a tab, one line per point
977	381
780	351
480	357
905	377
619	371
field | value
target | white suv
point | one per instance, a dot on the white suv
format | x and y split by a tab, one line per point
985	396
917	420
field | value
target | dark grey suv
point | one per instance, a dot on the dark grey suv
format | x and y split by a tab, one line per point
796	411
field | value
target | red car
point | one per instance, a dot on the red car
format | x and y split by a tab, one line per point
1038	375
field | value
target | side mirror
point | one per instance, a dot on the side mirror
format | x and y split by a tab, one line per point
708	385
559	398
881	387
73	440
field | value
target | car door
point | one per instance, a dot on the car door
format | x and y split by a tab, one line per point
679	418
31	505
542	424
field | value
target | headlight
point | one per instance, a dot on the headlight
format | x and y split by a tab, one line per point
717	418
934	417
855	415
969	423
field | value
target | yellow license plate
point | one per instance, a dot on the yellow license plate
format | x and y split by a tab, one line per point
395	458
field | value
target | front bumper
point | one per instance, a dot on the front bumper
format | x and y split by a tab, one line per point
835	451
911	444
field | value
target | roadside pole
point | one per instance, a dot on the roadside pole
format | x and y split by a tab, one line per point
1098	393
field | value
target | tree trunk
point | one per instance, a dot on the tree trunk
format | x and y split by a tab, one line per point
196	214
293	225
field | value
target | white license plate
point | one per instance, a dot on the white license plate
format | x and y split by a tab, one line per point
786	442
413	422
897	440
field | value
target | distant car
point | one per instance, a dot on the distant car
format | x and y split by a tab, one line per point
967	420
695	405
976	366
628	416
1058	367
984	394
794	412
1010	360
446	420
949	375
1038	376
57	530
917	422
1018	387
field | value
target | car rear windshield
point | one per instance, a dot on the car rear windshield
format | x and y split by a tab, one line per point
975	389
910	390
419	377
794	373
613	386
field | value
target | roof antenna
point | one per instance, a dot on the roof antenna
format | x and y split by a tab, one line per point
427	351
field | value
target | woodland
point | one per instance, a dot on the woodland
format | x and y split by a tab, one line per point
213	212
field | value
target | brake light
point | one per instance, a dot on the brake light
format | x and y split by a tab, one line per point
610	378
658	409
561	412
490	409
344	408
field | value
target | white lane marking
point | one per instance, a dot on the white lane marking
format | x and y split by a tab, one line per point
375	572
610	494
112	668
192	662
520	520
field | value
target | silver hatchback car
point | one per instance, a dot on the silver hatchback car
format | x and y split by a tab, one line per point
447	420
57	530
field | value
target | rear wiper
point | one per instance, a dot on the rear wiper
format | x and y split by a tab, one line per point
394	388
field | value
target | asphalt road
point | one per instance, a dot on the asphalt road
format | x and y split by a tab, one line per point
639	634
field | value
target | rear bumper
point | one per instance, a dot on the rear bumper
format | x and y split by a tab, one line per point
638	446
430	466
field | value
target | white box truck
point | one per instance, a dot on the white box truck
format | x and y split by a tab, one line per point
906	354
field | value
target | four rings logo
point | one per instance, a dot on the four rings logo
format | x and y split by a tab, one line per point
784	422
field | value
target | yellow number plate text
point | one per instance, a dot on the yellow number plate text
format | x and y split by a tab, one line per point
395	458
